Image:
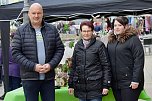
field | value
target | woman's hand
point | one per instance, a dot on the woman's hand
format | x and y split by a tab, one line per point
105	91
71	91
134	85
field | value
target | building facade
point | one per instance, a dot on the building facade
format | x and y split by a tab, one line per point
5	2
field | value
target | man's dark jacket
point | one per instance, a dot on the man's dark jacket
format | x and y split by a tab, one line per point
24	50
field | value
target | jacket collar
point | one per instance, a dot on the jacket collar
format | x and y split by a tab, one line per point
43	24
130	31
92	41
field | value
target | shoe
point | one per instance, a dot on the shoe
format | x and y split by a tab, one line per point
2	97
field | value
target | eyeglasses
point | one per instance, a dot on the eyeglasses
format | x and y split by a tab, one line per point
84	31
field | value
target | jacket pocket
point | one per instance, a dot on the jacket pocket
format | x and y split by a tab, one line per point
125	74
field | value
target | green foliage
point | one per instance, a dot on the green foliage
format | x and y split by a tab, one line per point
65	67
71	44
66	27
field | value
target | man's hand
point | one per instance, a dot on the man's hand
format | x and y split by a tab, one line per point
38	67
46	67
42	68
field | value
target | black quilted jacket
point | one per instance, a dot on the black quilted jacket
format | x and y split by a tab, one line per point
90	71
24	49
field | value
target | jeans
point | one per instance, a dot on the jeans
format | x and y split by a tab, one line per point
95	99
32	88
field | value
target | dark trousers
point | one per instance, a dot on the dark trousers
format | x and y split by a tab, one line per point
95	99
126	94
14	82
32	88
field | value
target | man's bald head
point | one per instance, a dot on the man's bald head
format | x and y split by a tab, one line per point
35	14
35	5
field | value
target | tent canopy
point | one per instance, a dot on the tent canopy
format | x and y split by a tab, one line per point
75	8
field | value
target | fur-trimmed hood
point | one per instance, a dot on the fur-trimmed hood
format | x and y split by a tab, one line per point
130	31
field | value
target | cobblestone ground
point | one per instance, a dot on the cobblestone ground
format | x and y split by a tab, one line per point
1	91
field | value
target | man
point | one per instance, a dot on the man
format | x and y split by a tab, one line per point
38	48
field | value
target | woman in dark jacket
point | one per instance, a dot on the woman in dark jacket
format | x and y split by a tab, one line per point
127	61
90	71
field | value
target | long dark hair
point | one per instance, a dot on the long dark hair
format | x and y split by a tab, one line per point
122	20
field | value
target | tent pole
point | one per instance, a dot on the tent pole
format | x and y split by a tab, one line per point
25	11
5	42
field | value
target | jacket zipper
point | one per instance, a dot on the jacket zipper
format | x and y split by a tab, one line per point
116	63
85	79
